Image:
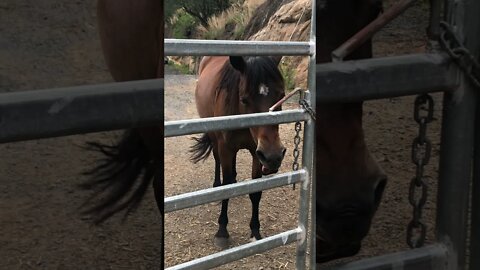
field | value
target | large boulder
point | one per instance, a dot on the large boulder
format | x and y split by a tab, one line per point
284	21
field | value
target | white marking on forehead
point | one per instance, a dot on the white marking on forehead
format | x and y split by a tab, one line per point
263	89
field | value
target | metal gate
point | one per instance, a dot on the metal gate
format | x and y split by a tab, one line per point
451	67
302	176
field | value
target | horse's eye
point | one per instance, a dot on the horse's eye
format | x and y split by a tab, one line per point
244	100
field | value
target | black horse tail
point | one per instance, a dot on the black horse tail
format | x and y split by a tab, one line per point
201	149
114	180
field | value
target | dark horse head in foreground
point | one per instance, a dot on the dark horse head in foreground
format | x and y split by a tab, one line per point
350	183
238	85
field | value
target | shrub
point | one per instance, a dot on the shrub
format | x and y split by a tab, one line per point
183	24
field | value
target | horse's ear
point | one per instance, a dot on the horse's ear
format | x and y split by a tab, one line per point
238	63
277	59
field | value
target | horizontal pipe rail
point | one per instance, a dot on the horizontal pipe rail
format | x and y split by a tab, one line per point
432	257
197	47
243	251
81	109
202	125
385	77
204	196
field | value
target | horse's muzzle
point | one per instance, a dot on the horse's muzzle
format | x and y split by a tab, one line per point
327	252
271	161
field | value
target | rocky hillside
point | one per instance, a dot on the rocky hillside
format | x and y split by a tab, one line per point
283	21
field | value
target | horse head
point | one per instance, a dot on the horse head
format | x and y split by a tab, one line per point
349	182
261	85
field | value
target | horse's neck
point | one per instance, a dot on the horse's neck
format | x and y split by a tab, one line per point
337	21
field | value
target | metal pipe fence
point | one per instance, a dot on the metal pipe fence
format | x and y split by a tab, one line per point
459	164
198	47
187	200
202	125
457	143
385	77
190	126
243	251
65	111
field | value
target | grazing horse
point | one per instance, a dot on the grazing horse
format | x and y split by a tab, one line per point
131	33
237	85
349	182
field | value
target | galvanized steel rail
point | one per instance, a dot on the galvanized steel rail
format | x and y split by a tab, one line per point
385	77
243	251
65	111
198	47
191	199
202	125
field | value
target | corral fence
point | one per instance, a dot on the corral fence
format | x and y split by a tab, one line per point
450	66
178	47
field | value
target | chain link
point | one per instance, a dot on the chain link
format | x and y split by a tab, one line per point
308	109
461	55
418	189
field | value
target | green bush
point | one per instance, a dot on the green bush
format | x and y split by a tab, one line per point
184	25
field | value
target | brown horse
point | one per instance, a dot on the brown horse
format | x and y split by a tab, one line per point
237	85
350	183
131	33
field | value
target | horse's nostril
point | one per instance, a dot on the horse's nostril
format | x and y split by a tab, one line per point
284	151
261	155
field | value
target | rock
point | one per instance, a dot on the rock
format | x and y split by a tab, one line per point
290	22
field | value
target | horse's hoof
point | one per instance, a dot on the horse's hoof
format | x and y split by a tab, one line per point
255	236
222	242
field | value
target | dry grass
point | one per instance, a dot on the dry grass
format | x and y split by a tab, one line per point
231	21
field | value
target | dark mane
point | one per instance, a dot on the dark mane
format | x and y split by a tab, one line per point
259	70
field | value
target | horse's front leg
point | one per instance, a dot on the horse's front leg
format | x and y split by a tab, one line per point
226	160
255	199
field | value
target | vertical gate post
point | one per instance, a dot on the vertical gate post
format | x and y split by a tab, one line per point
475	225
457	142
307	198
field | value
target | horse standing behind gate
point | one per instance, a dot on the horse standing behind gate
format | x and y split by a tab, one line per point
350	183
237	85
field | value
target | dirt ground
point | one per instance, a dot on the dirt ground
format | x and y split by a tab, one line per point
53	43
389	128
44	44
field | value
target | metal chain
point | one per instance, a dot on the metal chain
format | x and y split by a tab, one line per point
297	139
308	108
461	55
298	126
296	142
421	150
296	151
